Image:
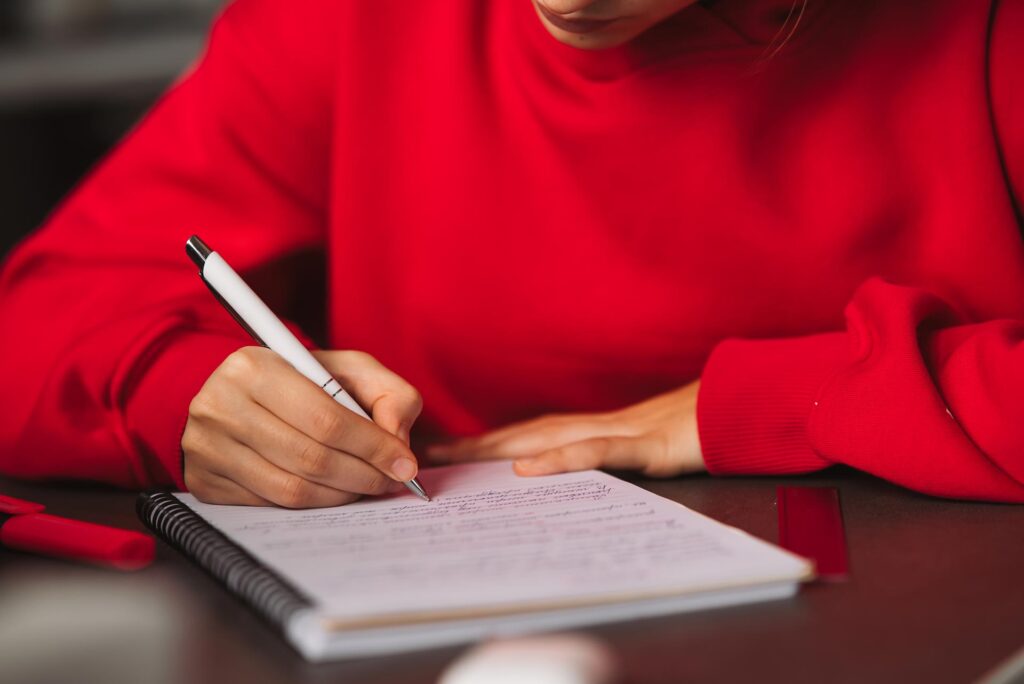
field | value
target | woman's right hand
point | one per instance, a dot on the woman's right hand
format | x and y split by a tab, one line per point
259	433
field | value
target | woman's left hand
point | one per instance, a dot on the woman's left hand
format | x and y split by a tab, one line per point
657	437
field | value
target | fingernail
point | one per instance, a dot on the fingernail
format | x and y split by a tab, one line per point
528	464
403	469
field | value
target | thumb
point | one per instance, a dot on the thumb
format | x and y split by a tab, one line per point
396	413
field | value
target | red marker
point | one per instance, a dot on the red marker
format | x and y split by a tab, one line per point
24	527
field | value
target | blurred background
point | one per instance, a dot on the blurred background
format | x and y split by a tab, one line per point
75	75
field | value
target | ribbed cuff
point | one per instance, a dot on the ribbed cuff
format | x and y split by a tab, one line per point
756	399
157	410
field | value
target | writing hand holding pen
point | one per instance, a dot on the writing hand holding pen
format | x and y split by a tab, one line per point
274	426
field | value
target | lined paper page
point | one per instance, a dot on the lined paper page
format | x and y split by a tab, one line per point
492	539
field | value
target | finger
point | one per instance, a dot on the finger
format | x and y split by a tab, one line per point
280	389
480	447
214	489
522	439
296	452
624	453
392	402
235	461
282	488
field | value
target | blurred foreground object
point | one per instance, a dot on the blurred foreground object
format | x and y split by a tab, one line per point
1010	671
55	630
550	659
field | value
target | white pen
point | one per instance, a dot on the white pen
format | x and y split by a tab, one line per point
267	329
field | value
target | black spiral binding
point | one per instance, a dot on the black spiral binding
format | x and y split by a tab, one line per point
270	596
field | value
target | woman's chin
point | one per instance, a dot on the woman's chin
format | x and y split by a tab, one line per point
610	36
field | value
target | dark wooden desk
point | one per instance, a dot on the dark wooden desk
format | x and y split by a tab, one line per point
935	596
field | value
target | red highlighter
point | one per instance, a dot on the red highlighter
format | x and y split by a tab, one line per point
24	527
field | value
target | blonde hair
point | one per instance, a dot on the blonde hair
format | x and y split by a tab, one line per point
785	32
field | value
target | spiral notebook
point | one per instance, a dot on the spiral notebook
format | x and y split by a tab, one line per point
492	554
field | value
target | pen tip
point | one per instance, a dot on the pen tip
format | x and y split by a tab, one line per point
415	487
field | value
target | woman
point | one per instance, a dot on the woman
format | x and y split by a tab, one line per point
743	236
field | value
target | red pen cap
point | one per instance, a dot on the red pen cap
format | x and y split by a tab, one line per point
54	536
12	506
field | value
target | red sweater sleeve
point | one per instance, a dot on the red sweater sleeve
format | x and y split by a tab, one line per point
109	332
912	392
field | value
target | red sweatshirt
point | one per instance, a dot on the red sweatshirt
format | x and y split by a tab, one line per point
829	238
